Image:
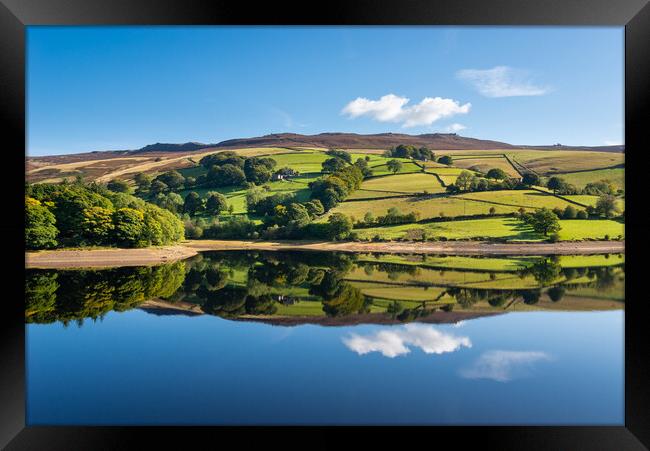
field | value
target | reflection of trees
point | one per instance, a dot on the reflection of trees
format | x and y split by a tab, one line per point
531	297
556	293
545	272
75	295
232	284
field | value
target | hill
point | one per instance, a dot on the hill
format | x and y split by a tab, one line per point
442	141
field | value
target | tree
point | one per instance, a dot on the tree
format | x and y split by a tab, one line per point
221	158
582	214
606	206
173	179
158	187
40	228
497	174
570	212
193	203
339	226
118	186
362	164
446	159
530	179
600	187
493	211
369	218
170	201
394	165
226	175
128	226
332	165
97	224
464	181
143	181
215	203
343	155
556	184
297	215
543	221
314	208
258	170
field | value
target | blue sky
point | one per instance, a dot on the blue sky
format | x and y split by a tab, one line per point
104	88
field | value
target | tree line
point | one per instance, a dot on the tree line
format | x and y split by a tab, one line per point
79	214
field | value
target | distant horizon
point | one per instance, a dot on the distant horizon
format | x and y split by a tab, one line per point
101	88
215	143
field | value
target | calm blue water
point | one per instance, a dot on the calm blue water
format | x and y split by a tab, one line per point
136	368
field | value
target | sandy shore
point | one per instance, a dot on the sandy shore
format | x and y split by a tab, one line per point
106	258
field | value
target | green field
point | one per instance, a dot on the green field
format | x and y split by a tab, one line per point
407	167
510	229
404	184
478	203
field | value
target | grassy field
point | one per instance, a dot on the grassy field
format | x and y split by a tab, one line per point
459	205
485	164
580	179
302	162
427	207
520	198
545	161
407	167
510	229
404	184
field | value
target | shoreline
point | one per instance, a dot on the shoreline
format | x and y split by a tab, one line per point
111	258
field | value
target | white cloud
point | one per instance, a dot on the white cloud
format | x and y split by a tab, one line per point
455	128
609	142
503	366
392	108
502	81
394	341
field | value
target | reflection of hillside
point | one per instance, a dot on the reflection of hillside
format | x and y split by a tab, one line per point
160	307
328	288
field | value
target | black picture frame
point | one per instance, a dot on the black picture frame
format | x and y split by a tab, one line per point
634	15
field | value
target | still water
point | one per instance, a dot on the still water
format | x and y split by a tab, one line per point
328	338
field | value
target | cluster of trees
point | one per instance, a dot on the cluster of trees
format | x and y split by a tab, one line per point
223	169
599	188
407	151
76	214
393	216
606	206
570	212
496	179
336	187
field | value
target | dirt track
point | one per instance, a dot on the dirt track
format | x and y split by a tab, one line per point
106	258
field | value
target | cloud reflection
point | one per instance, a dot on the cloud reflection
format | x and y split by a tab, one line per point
395	341
504	366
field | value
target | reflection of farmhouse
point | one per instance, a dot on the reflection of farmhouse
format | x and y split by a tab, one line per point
284	174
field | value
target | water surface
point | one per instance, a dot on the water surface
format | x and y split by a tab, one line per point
328	338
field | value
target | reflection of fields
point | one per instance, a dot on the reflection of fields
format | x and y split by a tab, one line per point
347	287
